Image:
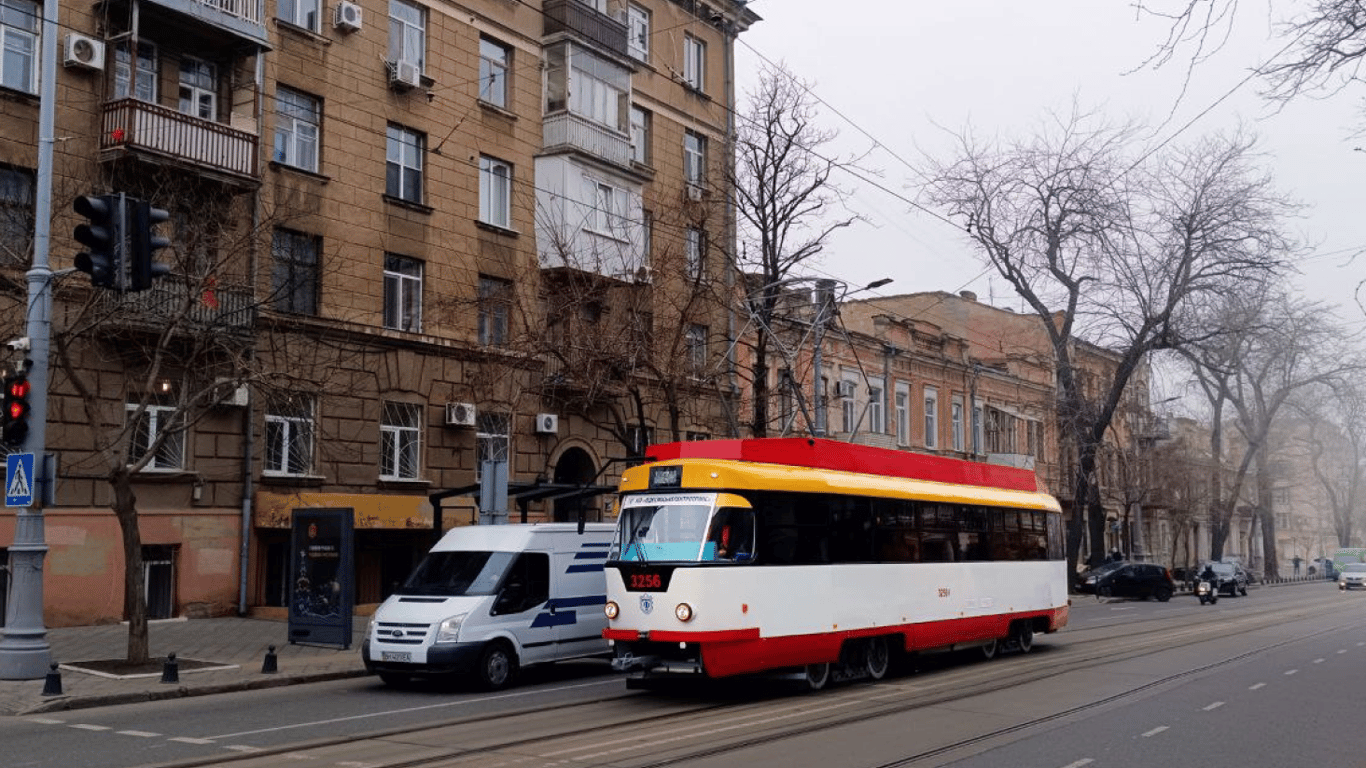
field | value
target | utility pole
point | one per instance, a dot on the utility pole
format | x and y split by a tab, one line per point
24	651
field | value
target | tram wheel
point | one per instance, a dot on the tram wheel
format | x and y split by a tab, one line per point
989	650
817	675
877	657
1023	636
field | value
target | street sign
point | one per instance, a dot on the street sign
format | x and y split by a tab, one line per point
19	480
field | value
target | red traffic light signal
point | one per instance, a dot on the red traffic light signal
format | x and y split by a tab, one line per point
14	420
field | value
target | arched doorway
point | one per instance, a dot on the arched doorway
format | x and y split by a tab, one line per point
575	467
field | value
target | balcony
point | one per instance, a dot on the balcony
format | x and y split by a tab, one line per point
240	18
585	23
130	125
168	302
565	130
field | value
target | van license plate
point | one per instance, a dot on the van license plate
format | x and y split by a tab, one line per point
395	656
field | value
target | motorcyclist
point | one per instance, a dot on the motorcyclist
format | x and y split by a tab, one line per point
1209	575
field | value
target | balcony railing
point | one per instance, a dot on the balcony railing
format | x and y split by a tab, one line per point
565	130
587	23
241	17
214	310
139	126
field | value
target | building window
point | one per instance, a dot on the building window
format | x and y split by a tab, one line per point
495	60
407	33
198	88
647	242
641	437
694	63
695	252
956	414
153	423
977	441
877	421
491	439
297	117
289	438
16	215
300	13
608	201
638	32
400	441
903	413
640	135
495	192
1034	438
931	417
144	81
599	89
695	349
158	579
848	400
403	164
19	35
294	283
402	293
495	299
695	158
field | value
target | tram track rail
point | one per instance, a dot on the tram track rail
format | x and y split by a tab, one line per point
682	722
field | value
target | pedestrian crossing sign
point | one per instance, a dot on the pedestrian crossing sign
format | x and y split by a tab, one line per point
19	480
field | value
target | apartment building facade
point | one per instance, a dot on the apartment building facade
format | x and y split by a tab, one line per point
412	242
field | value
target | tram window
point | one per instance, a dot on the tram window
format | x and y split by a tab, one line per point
851	530
972	546
936	548
731	536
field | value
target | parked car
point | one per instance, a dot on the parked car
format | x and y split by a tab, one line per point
1352	575
1233	578
1126	579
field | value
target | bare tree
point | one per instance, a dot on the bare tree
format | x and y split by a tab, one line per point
1336	442
783	199
1110	248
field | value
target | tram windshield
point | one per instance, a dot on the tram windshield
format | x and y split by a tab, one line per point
684	528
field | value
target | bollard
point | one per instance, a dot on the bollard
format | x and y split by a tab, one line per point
170	671
271	664
52	685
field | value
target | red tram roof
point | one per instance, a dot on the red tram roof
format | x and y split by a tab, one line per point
848	457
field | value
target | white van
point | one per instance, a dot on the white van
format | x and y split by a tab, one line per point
489	599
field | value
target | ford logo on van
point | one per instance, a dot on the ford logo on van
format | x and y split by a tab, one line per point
647	603
396	634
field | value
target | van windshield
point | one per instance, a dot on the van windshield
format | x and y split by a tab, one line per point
451	574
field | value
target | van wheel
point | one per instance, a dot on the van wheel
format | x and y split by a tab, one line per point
877	657
497	665
817	675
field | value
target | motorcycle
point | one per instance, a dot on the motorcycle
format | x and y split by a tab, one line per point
1208	592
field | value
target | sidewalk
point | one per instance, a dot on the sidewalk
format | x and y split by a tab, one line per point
236	646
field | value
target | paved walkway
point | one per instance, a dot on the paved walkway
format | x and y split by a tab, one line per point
238	644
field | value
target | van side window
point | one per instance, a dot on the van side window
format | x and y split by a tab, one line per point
526	585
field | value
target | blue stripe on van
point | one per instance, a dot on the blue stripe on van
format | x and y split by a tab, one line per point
590	556
585	568
554	614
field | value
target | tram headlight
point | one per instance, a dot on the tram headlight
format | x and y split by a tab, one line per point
611	609
683	612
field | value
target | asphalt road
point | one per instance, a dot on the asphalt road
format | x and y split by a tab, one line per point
1251	681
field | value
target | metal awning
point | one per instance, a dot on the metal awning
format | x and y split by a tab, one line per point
522	493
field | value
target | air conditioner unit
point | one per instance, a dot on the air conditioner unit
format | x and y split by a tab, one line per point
547	424
460	414
844	388
232	396
404	75
348	16
84	52
694	193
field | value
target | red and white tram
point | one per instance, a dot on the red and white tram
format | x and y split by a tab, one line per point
794	554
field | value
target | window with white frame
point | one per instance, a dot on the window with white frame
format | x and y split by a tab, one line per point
400	441
608	201
694	63
956	417
1034	437
289	437
877	421
294	272
144	79
495	60
694	252
298	117
492	441
403	163
198	88
903	413
407	33
19	36
695	349
641	437
157	422
600	89
640	134
977	437
694	158
495	300
638	32
300	13
402	293
931	417
848	387
495	192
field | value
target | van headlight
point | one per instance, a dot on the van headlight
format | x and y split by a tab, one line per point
449	629
370	628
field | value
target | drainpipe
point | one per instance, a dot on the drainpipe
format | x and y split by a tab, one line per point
249	429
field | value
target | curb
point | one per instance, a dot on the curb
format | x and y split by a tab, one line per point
64	703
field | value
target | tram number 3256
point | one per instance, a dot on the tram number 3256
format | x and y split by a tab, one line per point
646	581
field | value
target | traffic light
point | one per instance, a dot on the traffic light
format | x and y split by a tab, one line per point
103	237
144	243
14	424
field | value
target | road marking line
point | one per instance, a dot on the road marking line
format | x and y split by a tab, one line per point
1291	671
241	748
298	756
1318	661
188	740
45	721
1079	763
143	734
1255	687
1155	731
88	727
1342	650
1215	705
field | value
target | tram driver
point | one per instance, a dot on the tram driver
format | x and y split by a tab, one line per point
732	534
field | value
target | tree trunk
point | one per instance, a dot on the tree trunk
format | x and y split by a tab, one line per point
134	588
